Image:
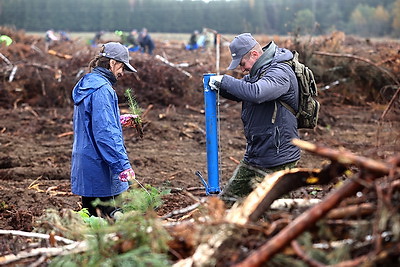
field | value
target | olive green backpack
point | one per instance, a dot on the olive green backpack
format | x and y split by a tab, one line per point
307	115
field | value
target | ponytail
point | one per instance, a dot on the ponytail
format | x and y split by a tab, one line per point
99	61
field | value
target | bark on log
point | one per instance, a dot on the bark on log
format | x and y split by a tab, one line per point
283	182
372	170
289	203
75	247
276	185
299	225
35	235
347	158
254	205
350	211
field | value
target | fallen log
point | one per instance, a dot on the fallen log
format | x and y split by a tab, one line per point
36	235
350	211
246	213
292	203
371	170
57	54
300	224
181	211
164	60
276	185
347	158
75	247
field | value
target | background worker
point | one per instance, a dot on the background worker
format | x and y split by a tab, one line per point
193	41
50	39
132	41
123	36
146	43
269	127
100	167
97	38
5	39
64	37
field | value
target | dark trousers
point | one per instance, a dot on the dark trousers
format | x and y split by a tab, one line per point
99	210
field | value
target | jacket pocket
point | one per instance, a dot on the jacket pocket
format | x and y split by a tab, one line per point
261	144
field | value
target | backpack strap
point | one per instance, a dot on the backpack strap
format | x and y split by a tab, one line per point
276	110
290	63
288	107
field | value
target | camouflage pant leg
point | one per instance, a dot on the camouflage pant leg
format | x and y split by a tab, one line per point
241	182
245	178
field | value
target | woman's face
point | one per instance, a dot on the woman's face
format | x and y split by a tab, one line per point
117	68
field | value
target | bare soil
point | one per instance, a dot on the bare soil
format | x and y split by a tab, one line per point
35	126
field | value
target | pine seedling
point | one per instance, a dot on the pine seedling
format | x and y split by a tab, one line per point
135	110
133	105
142	199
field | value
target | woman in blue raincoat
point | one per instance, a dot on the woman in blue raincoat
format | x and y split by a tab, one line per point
100	167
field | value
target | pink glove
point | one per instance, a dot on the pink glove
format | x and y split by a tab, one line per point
127	175
126	119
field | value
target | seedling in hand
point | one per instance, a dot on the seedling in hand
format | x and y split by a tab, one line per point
135	110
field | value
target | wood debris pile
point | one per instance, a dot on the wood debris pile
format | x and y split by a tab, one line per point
30	74
36	77
357	222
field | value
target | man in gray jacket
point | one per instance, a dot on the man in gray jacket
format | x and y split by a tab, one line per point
269	127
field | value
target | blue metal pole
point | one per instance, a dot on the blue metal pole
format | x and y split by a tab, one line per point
210	103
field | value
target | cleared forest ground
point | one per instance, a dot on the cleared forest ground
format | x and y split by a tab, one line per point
35	138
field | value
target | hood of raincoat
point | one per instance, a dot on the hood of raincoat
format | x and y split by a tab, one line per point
92	82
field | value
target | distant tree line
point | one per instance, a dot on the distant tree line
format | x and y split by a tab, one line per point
361	17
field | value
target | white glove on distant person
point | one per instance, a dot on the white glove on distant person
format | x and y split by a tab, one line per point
215	82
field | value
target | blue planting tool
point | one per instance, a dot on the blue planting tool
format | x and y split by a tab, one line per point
210	103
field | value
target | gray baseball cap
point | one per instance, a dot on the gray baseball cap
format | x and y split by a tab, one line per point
118	52
239	47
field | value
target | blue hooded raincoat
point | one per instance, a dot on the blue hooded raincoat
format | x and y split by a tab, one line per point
98	153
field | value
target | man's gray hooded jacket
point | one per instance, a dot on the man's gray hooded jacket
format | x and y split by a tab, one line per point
269	127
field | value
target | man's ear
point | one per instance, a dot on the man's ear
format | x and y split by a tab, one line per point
254	53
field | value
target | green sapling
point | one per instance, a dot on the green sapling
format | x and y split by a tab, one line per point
135	110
